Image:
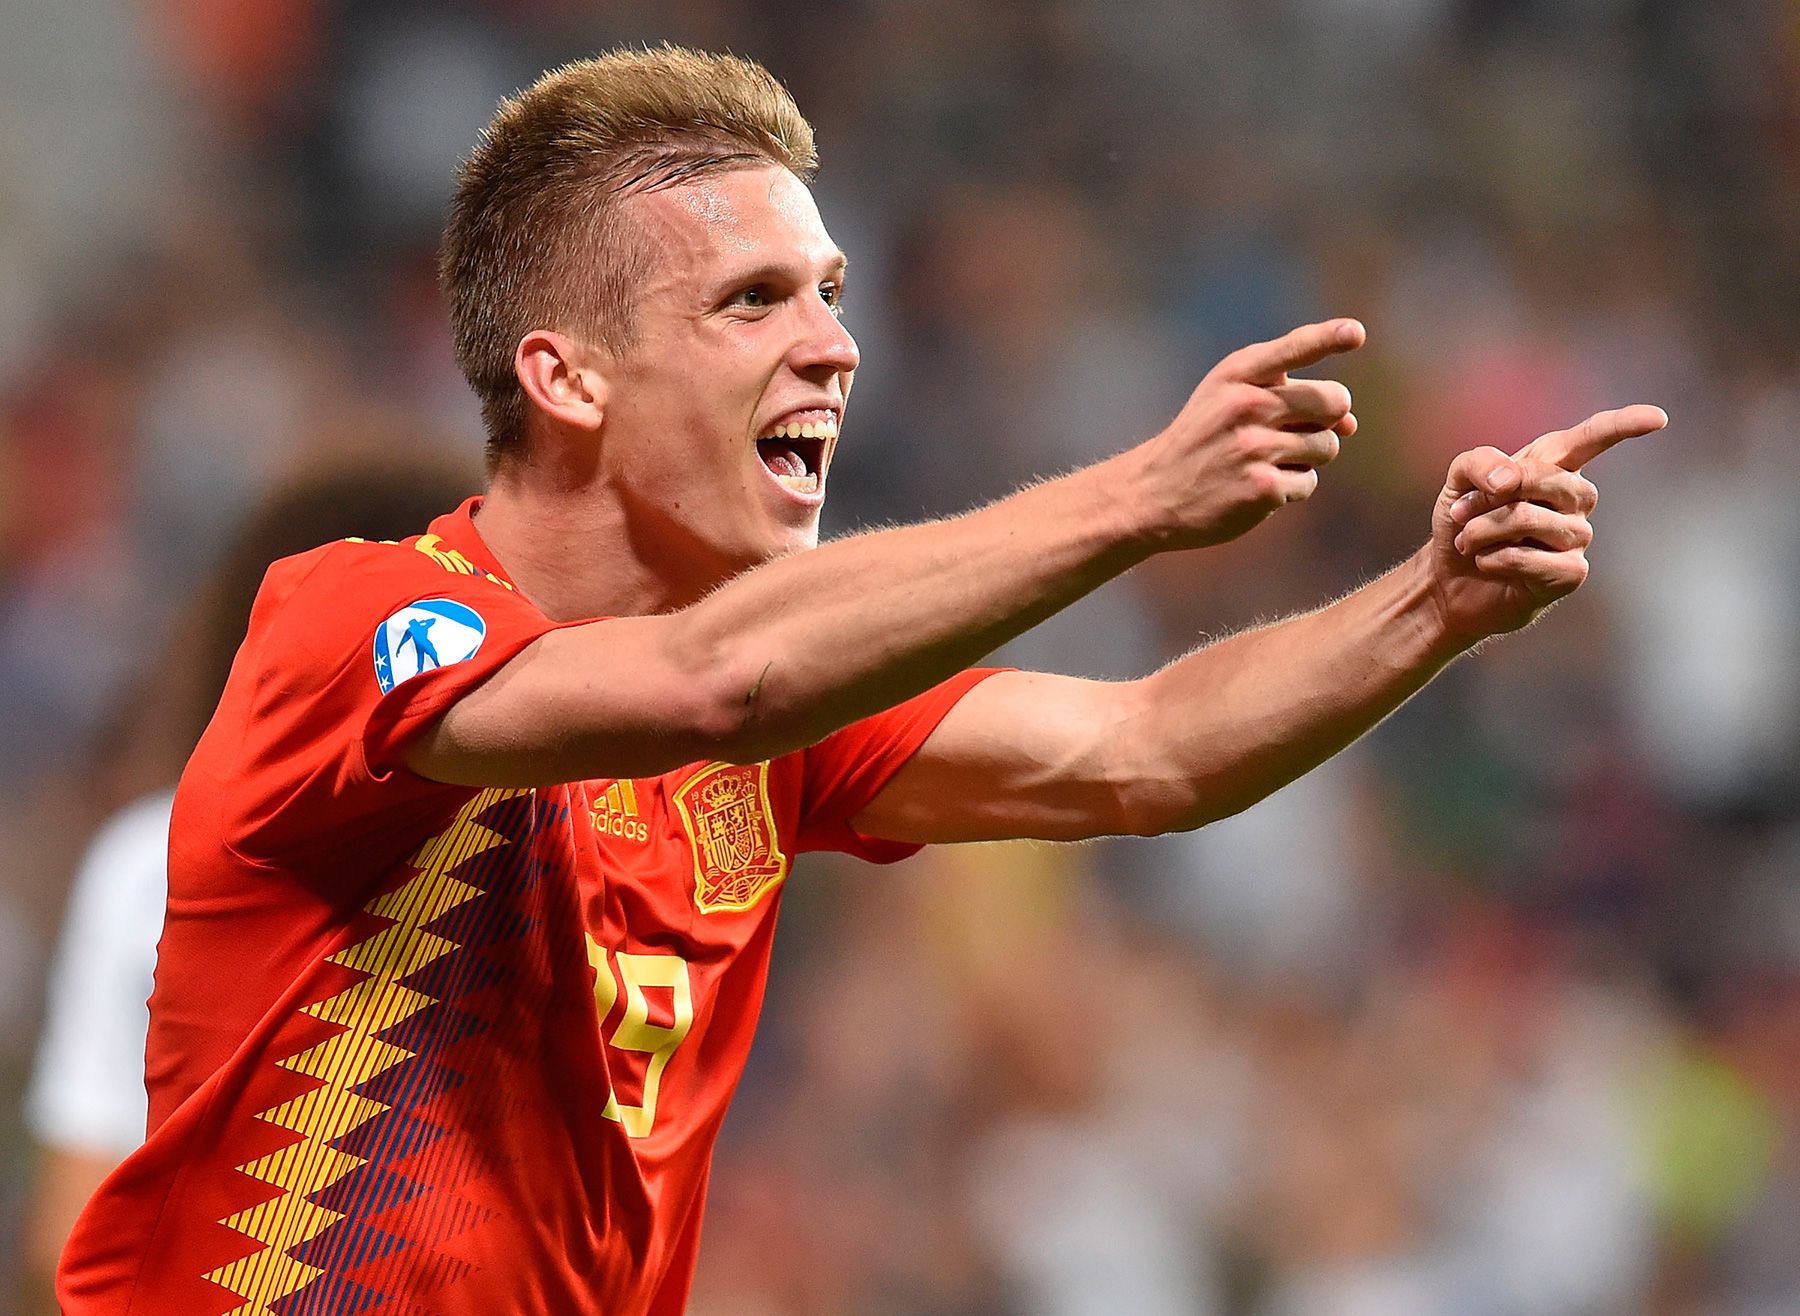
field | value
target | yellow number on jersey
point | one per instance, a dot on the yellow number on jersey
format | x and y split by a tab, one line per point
635	1031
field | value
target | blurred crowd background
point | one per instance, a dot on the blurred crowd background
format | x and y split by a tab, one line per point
1496	1015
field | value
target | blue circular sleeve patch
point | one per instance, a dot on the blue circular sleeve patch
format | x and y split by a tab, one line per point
429	633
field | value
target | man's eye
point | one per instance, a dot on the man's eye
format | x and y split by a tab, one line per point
833	295
755	298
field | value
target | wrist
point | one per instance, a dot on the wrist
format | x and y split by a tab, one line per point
1440	633
1135	521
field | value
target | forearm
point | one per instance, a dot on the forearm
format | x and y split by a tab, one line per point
783	655
817	640
1225	726
1054	757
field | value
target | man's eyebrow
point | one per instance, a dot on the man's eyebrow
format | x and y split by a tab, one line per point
776	271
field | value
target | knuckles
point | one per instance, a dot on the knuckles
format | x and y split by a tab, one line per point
1263	487
1246	402
1252	444
1483	457
1562	571
1233	435
1566	491
1516	521
1231	365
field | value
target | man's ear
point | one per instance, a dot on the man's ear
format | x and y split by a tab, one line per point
563	378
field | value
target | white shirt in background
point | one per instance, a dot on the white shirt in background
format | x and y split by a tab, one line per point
87	1085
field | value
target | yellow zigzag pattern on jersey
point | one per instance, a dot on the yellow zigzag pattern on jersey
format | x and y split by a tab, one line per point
348	1059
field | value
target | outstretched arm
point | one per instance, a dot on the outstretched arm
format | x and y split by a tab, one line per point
1035	755
789	652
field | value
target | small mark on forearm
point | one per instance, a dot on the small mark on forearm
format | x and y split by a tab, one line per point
750	698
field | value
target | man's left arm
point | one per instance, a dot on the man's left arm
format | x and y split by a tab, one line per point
1028	754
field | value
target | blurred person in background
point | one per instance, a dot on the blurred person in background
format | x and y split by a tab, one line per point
86	1106
418	1076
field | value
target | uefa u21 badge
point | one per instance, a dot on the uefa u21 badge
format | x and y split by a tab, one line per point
429	633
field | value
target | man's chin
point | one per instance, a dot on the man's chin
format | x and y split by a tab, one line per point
789	542
778	543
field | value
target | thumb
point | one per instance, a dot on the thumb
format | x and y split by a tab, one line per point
1482	471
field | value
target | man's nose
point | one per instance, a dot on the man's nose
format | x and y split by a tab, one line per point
825	342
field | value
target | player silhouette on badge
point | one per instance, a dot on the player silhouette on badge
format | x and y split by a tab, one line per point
416	631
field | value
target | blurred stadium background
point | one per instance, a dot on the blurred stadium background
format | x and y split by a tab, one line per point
1497	1015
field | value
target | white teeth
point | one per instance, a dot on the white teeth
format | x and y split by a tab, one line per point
808	483
823	429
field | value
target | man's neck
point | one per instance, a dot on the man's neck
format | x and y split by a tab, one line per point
571	549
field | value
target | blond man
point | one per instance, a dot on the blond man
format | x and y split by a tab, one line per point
464	956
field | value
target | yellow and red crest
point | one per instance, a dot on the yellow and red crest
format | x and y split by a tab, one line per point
737	857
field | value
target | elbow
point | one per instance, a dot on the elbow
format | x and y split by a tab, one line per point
631	697
1143	792
1148	809
1159	807
725	704
700	716
1135	817
1153	789
722	722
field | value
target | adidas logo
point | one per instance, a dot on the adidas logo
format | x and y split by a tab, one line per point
616	813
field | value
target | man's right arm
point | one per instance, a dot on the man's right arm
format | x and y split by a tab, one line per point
787	653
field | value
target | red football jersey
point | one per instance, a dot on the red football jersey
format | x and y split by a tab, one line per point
419	1048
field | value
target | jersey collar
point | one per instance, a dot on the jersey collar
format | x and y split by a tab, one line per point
457	530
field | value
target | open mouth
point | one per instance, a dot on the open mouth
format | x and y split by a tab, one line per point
794	449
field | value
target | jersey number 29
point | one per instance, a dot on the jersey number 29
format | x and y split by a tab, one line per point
635	1032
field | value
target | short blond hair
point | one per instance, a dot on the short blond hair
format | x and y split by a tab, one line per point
536	238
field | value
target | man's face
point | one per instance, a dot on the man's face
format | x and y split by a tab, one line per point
723	412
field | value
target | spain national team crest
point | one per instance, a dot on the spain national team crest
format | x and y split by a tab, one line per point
737	857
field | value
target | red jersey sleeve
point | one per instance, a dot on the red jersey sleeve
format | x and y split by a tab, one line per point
352	650
849	768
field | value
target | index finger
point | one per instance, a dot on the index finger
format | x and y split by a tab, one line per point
1266	363
1574	448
